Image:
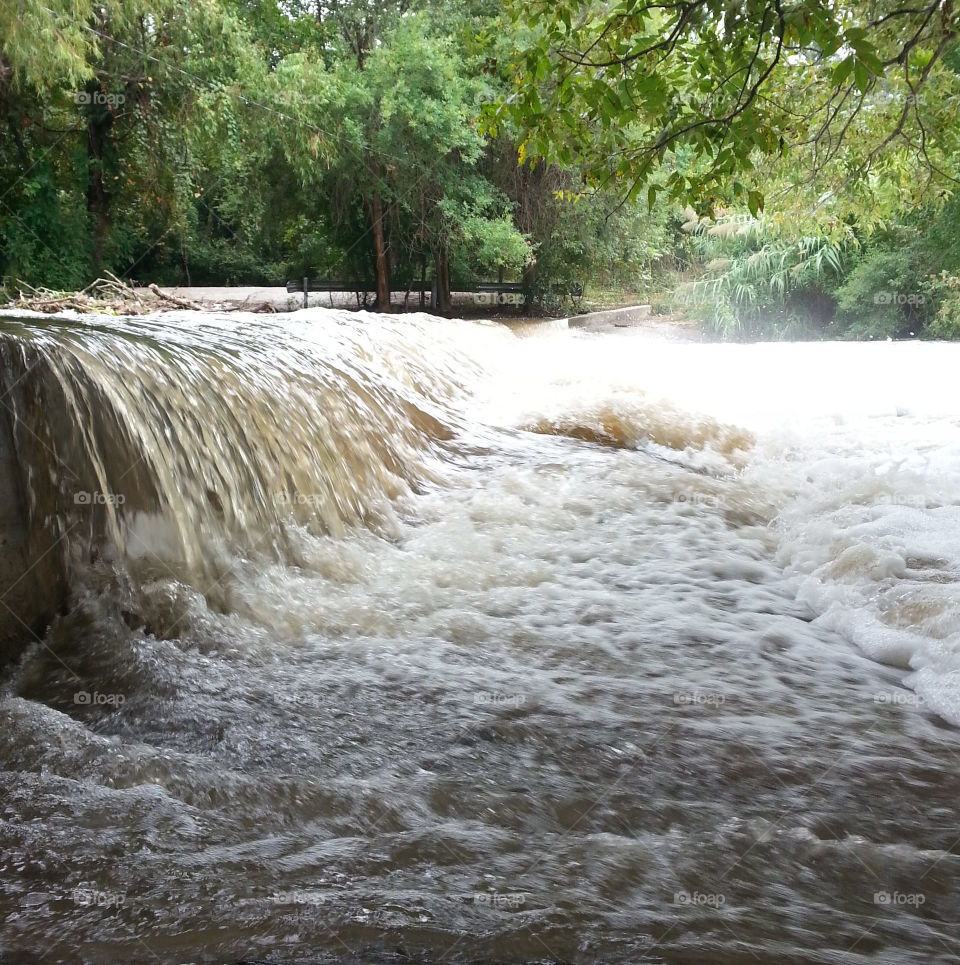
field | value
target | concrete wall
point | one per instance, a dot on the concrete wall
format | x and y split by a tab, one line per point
32	583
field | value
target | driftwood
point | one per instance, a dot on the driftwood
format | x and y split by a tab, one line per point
107	295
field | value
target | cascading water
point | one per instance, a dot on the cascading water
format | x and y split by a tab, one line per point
395	639
188	443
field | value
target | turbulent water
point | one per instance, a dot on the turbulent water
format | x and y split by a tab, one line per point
399	640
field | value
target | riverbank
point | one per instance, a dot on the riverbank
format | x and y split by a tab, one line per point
629	318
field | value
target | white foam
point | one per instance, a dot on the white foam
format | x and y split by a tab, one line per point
856	447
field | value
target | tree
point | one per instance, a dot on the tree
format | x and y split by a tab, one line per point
248	140
390	138
45	42
124	132
684	98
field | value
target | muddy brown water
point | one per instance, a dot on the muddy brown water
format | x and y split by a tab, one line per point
397	640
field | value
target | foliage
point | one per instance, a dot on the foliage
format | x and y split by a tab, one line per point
686	99
247	141
760	277
945	291
45	42
41	240
597	236
883	296
905	283
765	278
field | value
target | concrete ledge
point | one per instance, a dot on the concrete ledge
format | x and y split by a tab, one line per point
239	299
615	317
533	326
32	579
267	299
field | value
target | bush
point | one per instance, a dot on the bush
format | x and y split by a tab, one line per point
760	283
884	296
945	292
905	282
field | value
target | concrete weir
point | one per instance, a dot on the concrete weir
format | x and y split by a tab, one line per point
625	317
32	581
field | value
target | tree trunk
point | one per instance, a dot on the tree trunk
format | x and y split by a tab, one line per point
529	281
441	263
99	122
185	262
382	263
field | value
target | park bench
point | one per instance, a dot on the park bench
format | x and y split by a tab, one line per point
500	293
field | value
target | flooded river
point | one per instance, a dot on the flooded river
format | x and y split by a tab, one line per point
402	640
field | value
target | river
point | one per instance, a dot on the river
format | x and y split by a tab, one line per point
403	640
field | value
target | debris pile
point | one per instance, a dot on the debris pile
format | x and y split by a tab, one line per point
108	295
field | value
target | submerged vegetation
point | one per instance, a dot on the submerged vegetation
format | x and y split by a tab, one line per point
775	171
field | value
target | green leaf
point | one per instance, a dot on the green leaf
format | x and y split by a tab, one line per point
842	71
862	77
868	56
755	202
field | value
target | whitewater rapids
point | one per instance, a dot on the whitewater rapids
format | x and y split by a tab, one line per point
401	639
